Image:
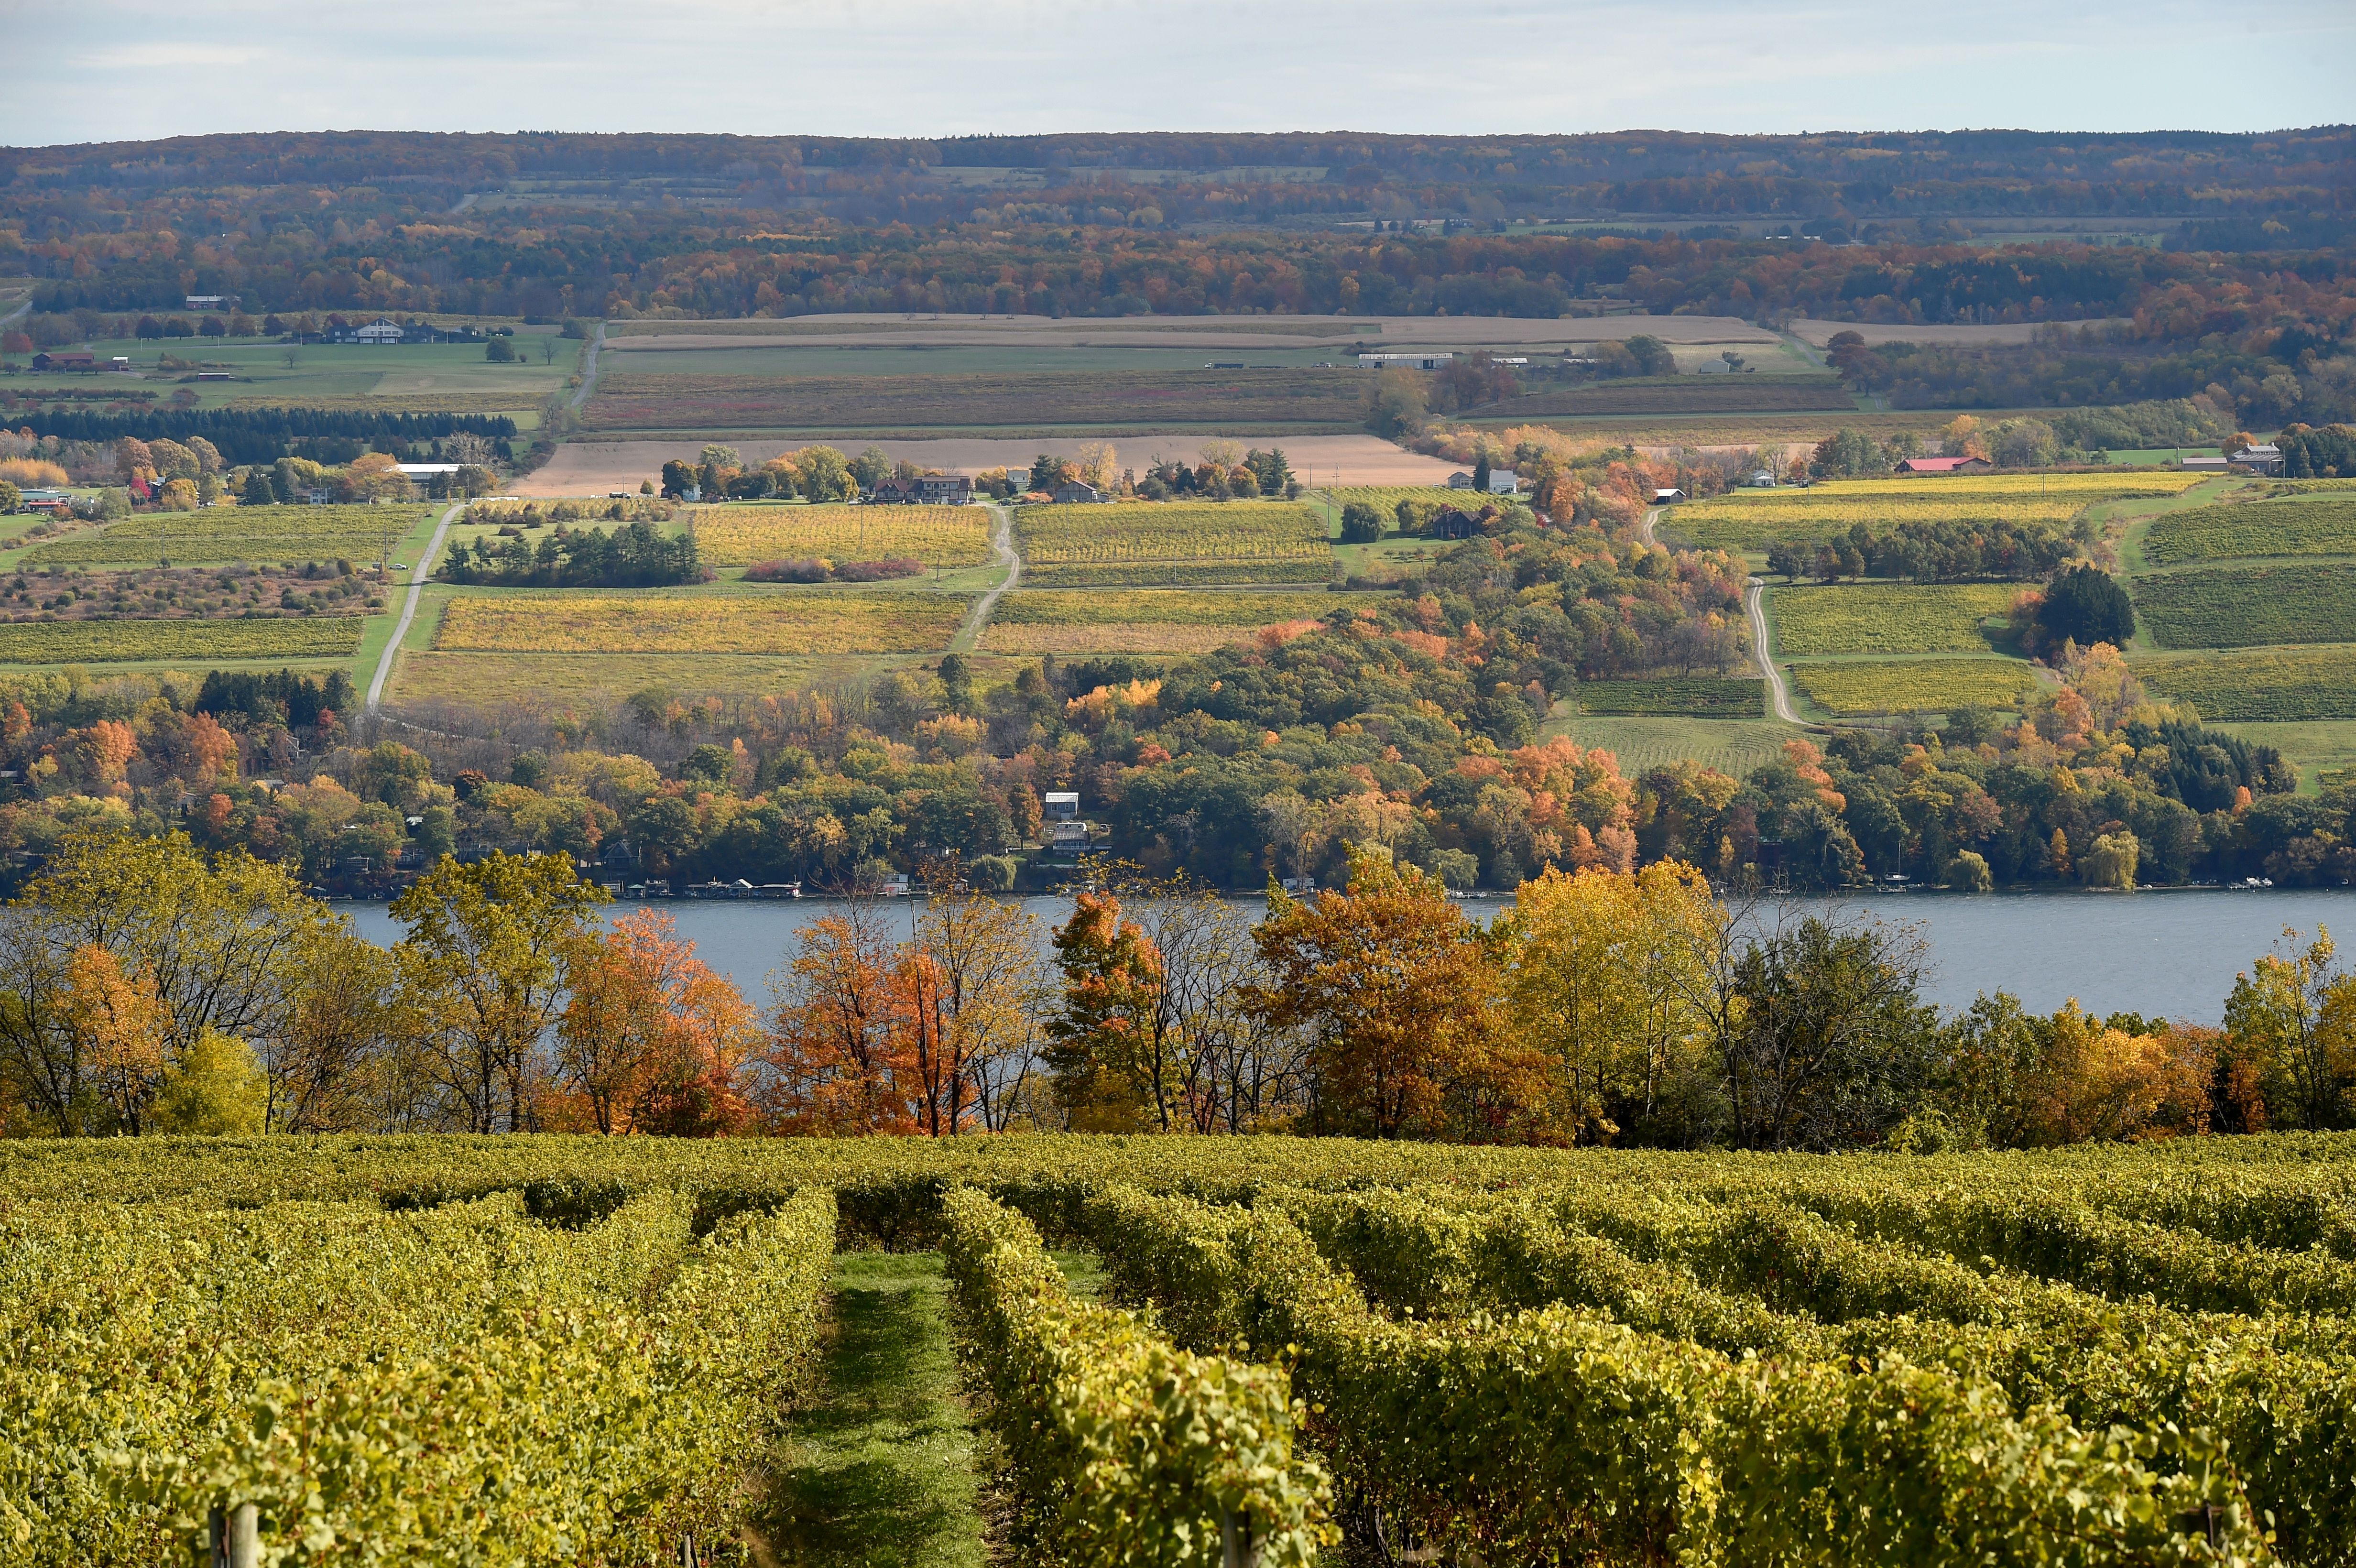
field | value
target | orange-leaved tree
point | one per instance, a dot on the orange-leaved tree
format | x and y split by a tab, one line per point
1394	992
838	1035
652	1039
1101	1039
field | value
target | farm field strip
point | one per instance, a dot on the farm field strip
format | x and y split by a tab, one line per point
2247	606
2265	684
1733	746
1696	697
1887	618
480	681
1856	687
743	534
623	401
2317	524
782	621
124	641
222	534
1685	395
1065	620
1173	544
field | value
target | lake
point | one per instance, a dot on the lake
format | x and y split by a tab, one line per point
2172	954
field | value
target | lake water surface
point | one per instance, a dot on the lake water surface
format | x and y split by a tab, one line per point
2172	955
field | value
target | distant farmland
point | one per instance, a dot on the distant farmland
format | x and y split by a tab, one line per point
1276	398
1684	395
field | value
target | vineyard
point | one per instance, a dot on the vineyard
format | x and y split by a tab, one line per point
1178	544
234	534
513	1350
121	641
1755	520
1385	498
742	535
1879	618
563	622
1137	621
1694	697
2245	607
1912	686
2322	523
2259	684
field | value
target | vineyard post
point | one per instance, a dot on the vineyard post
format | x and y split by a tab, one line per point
233	1537
1236	1548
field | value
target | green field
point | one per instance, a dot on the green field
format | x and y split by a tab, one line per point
224	534
1693	696
2247	606
2259	684
2312	746
437	378
1278	399
116	642
1887	618
2320	523
481	679
1175	544
1855	686
1733	746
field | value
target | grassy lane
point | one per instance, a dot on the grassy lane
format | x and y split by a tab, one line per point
880	1467
880	1470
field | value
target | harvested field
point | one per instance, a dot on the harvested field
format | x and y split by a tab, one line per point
115	642
1960	334
2272	684
1684	395
1218	397
1173	544
741	533
784	622
1204	331
1887	618
2318	523
2247	606
593	467
1914	686
1149	621
400	403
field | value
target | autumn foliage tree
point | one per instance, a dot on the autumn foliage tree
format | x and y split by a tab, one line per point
1393	990
652	1040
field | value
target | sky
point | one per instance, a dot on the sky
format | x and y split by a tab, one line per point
132	69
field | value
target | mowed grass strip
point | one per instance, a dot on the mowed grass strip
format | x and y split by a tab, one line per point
626	401
784	622
2281	685
2248	606
1177	543
220	534
1888	618
112	641
1912	686
2322	523
1067	622
742	535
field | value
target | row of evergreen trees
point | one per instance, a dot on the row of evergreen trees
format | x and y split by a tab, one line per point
633	556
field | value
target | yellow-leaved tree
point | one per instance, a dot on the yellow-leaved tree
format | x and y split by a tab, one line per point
1603	974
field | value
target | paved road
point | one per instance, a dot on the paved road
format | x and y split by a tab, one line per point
589	368
1775	689
409	611
1001	544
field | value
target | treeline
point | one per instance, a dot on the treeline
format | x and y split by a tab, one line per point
2267	380
159	989
635	555
244	436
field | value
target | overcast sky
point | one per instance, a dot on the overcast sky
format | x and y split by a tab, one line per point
83	70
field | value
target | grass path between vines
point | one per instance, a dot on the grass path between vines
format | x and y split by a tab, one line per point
880	1469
